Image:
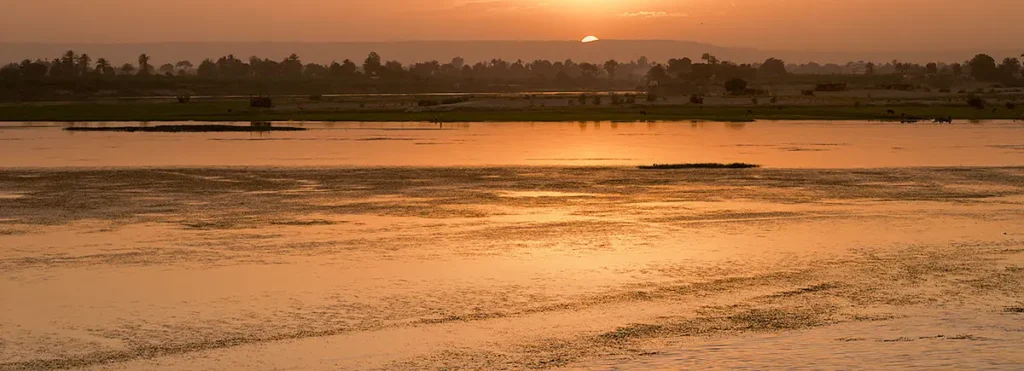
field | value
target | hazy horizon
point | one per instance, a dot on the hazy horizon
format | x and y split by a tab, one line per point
471	51
791	25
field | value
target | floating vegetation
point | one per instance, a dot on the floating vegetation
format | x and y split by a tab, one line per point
186	128
707	165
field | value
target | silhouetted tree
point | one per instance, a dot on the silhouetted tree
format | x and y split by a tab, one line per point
292	67
144	67
932	68
611	67
736	86
127	69
33	70
773	67
83	64
11	71
167	69
183	67
983	68
392	70
678	68
103	67
1009	69
957	68
207	69
869	68
657	74
372	64
709	59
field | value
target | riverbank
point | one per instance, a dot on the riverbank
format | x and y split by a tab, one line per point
222	111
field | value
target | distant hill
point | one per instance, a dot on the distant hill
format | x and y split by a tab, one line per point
471	51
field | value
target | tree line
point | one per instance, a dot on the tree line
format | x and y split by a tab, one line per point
375	72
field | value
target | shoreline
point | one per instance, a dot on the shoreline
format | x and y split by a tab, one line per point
229	111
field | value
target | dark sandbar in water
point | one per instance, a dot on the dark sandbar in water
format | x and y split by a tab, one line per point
186	128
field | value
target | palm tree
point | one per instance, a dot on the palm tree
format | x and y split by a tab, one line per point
103	67
83	64
144	67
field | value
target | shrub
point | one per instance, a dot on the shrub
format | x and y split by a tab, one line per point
976	102
616	99
1011	105
651	97
454	100
697	99
830	86
735	86
597	100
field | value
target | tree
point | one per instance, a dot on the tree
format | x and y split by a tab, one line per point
64	66
678	68
709	59
372	64
983	68
11	71
144	67
1009	69
83	63
869	68
33	70
772	67
612	68
103	67
736	86
167	69
314	70
957	68
657	74
207	69
458	62
183	67
127	69
292	67
392	70
932	68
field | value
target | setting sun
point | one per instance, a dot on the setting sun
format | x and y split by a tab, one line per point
590	39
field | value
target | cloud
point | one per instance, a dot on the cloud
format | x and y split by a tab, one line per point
649	14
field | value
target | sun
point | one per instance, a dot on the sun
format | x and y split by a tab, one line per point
590	39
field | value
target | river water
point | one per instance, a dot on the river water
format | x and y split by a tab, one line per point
774	144
408	246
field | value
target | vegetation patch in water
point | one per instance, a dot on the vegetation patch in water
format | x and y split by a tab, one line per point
187	128
706	165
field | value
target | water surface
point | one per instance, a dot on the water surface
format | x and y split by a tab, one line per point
775	144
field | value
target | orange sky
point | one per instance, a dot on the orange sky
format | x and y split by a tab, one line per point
768	24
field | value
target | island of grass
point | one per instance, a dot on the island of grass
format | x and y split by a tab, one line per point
705	165
187	128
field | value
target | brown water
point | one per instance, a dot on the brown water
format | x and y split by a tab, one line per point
515	267
775	144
